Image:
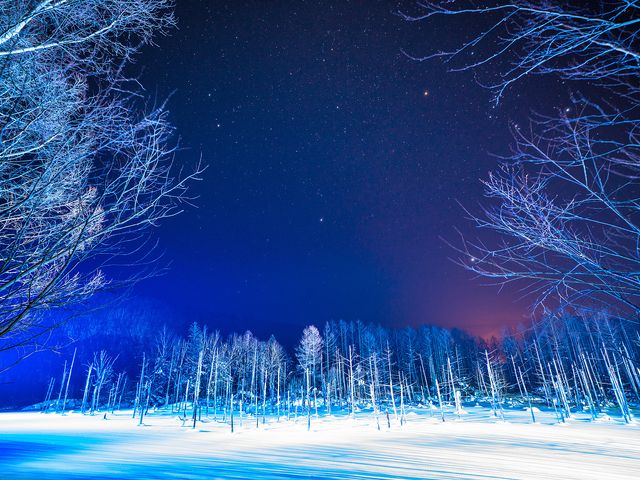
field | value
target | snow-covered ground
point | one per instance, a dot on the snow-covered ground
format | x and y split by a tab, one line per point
46	446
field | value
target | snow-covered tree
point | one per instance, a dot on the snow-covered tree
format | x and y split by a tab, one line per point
566	202
82	173
309	352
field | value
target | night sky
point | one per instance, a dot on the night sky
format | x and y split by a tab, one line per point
336	165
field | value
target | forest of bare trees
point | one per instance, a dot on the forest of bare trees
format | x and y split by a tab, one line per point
565	363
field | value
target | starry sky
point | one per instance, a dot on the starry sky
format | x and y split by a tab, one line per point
336	166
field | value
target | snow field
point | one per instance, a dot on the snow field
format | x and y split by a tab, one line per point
476	445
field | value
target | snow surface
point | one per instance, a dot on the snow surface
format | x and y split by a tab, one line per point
46	446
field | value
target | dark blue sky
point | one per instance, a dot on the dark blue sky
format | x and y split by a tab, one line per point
332	176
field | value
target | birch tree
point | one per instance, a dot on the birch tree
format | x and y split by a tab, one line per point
308	353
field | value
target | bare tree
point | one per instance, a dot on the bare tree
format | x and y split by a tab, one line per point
566	201
103	364
82	175
309	352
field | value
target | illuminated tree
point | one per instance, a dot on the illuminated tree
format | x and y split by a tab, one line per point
309	352
82	174
566	202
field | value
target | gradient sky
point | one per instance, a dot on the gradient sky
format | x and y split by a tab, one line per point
333	178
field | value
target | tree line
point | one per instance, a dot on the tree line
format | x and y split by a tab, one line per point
564	363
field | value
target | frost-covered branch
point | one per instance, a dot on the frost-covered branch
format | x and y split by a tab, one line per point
566	202
82	175
541	37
